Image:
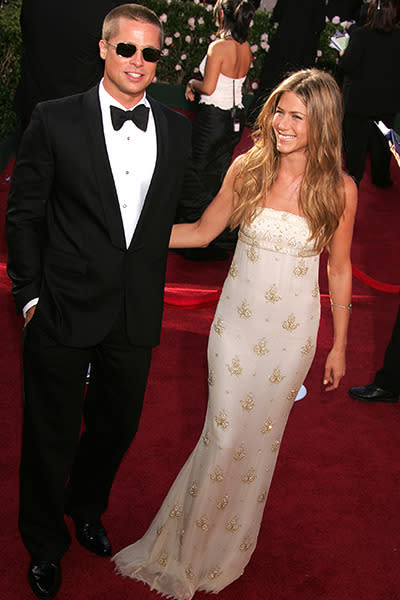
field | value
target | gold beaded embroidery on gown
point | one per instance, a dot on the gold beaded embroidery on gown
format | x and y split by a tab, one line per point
261	345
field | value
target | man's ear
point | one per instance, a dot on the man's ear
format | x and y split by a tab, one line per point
103	49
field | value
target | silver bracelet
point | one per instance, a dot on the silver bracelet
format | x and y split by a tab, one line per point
349	307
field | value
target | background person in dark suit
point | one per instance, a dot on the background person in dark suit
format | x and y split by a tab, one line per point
91	206
386	384
371	91
347	10
61	50
293	46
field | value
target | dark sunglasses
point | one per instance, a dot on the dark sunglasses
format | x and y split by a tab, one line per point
127	50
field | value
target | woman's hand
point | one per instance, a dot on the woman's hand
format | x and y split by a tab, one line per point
189	93
335	369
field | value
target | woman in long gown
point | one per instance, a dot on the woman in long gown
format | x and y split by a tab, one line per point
224	70
291	199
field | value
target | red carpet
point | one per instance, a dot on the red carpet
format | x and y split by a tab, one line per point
331	529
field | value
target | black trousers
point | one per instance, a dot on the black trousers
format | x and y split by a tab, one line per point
54	451
361	136
213	143
388	377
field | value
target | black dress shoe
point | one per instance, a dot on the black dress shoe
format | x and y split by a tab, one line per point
373	393
44	578
93	536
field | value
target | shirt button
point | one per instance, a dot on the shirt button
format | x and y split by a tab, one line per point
128	138
126	172
124	206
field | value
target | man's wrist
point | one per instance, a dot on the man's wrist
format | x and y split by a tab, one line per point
29	305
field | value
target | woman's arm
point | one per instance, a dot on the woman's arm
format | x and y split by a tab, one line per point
214	219
215	57
340	283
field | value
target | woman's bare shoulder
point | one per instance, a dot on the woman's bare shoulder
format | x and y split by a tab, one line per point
219	46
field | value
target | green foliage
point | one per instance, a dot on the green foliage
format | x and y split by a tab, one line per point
328	57
10	53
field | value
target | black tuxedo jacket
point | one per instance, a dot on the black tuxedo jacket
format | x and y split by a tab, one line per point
64	228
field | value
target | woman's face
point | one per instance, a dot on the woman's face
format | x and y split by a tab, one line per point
290	124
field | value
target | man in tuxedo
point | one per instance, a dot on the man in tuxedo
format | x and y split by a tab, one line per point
61	54
90	211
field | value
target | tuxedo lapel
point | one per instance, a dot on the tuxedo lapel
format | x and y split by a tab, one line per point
102	169
155	189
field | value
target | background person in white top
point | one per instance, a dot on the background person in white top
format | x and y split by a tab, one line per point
215	134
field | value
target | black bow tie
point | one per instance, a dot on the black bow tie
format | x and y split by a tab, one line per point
139	116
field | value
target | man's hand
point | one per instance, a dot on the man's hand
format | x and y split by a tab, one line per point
29	314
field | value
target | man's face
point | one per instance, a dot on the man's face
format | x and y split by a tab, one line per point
126	79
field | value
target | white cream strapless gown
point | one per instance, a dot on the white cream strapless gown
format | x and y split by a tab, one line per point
261	345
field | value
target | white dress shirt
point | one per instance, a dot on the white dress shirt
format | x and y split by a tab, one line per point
132	154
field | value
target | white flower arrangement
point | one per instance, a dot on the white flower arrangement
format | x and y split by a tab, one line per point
327	57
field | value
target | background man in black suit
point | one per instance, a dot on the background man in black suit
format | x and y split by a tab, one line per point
386	384
61	50
347	10
371	92
293	46
90	211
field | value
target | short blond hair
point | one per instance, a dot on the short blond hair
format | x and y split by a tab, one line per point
134	12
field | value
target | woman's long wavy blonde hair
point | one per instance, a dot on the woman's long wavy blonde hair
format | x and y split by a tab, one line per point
321	195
